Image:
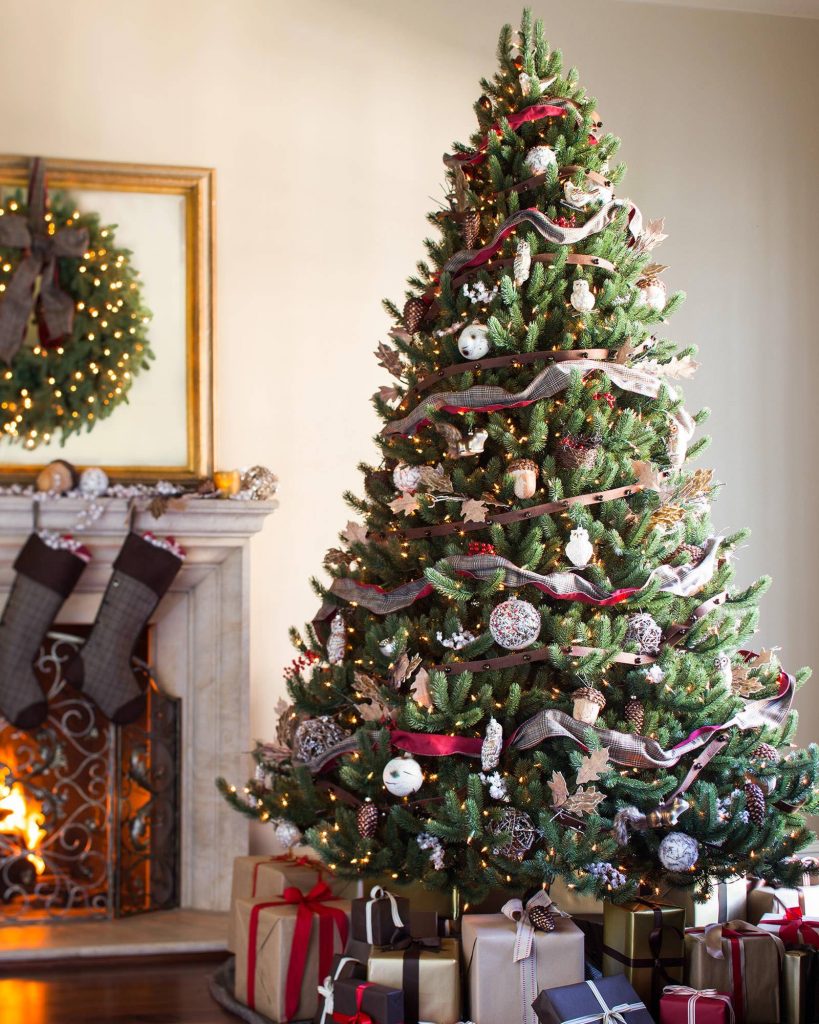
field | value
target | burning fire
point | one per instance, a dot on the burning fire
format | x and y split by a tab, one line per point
18	819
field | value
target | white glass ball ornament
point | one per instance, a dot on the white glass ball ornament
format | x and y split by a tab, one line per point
582	298
287	833
539	159
473	341
679	852
93	482
406	478
514	624
579	549
403	775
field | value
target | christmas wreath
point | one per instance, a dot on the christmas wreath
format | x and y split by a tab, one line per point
73	329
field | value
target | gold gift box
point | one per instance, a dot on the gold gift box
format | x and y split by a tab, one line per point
274	941
757	990
800	985
627	928
439	979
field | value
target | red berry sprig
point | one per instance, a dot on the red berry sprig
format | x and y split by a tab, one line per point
298	664
566	222
605	396
476	547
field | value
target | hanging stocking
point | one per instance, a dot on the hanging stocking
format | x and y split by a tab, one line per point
47	568
144	569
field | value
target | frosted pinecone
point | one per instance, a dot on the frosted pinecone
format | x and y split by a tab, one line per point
607	873
435	847
479	292
497	786
455	641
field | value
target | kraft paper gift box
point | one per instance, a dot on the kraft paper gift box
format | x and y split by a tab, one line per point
380	918
767	900
592	1000
727	901
681	1004
800	983
382	1004
741	960
423	924
508	962
429	973
268	932
643	939
342	967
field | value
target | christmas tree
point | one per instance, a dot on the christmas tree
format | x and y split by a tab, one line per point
532	659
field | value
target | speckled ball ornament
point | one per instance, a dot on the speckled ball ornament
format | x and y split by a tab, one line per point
679	852
259	483
643	630
514	624
406	478
315	737
539	159
287	834
521	831
93	482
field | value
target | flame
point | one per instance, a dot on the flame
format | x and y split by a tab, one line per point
18	818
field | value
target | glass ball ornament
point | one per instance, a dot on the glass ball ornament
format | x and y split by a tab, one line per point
514	624
679	852
93	482
403	775
287	833
473	341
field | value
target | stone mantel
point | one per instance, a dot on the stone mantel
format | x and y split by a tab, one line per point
199	650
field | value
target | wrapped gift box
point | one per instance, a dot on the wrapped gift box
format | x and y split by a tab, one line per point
727	901
592	927
800	983
265	932
766	900
681	1004
380	918
643	939
343	967
382	1004
571	901
429	974
501	989
591	1000
739	959
792	927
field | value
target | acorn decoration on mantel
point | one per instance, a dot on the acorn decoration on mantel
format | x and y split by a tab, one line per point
524	472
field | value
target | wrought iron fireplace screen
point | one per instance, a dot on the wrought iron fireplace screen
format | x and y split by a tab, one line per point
89	811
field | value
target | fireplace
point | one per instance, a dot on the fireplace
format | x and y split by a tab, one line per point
89	812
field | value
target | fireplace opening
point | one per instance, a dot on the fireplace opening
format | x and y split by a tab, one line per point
89	811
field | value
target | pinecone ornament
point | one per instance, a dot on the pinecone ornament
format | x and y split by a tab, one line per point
765	752
470	227
414	313
367	820
755	803
635	714
542	918
695	552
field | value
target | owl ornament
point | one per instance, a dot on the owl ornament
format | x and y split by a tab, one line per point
473	341
582	298
653	293
579	549
522	262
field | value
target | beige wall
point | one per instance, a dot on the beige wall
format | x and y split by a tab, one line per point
326	123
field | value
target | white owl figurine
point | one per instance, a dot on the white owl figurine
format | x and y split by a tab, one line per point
579	549
582	297
539	159
654	295
473	342
522	262
474	443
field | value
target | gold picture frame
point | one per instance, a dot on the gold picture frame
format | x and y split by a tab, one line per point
195	188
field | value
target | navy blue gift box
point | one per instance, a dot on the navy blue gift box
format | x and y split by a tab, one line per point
580	1002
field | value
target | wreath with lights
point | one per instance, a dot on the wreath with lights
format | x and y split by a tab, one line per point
73	327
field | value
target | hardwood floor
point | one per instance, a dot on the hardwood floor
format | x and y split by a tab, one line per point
112	993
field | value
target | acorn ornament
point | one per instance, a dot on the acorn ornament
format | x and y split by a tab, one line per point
635	714
473	341
57	477
514	624
653	292
755	803
403	775
414	312
525	473
582	298
542	919
367	820
579	549
587	703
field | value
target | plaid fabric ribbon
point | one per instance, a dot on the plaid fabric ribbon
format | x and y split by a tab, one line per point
41	250
642	751
548	383
682	581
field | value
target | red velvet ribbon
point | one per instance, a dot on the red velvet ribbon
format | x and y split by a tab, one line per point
794	929
309	905
359	1017
432	745
533	113
287	858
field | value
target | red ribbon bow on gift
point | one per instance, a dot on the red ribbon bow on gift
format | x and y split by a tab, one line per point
793	928
309	905
286	858
359	1017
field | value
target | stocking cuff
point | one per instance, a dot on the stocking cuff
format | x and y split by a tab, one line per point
147	563
54	568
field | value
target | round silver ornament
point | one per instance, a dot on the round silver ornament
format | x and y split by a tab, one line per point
259	483
315	737
520	829
644	631
473	341
287	833
93	482
406	478
679	852
403	775
514	624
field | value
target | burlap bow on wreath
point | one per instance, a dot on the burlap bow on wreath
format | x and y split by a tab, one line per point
42	246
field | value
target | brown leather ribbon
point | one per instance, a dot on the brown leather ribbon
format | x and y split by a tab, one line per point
411	971
41	250
657	962
565	172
